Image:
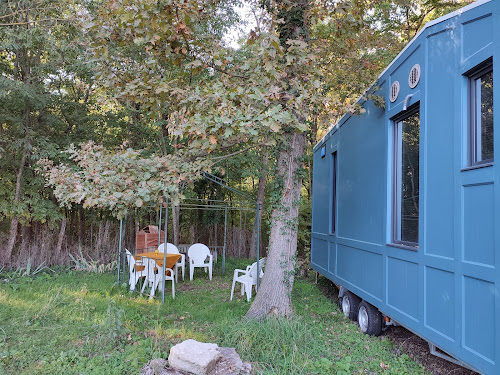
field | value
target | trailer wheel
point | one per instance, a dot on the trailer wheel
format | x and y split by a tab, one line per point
349	304
369	319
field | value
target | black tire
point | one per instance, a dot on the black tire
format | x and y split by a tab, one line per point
349	304
369	319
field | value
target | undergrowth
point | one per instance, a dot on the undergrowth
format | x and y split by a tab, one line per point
78	323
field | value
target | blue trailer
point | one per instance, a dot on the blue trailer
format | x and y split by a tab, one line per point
406	207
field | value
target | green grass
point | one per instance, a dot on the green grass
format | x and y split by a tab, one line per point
78	323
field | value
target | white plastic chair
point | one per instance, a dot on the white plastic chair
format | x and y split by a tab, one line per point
197	255
181	263
153	279
136	270
248	278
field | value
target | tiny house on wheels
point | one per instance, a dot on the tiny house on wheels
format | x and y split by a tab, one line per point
406	198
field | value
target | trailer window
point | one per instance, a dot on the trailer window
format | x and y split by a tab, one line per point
334	191
406	178
481	114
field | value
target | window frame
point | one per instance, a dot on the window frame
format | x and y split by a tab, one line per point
397	178
473	127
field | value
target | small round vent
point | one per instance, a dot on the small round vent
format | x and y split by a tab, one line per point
394	91
414	76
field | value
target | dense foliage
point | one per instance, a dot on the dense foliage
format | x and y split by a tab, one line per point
142	95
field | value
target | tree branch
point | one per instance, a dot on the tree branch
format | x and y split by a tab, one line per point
36	21
223	157
23	11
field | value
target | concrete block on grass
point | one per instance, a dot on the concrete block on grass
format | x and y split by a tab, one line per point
194	357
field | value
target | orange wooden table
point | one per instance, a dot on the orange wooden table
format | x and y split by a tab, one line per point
170	260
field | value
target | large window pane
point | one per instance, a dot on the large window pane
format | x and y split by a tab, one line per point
485	116
407	180
481	114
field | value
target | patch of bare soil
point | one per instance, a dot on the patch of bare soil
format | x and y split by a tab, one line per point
210	285
418	349
407	342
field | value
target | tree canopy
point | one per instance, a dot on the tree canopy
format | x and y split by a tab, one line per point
120	103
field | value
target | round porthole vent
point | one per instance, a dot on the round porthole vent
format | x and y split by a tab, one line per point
394	91
414	76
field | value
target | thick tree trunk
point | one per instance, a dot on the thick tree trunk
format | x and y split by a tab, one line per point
274	295
260	199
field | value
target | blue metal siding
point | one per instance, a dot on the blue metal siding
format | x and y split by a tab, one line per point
447	290
441	111
361	155
496	171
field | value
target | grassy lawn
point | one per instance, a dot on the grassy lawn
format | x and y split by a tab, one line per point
78	323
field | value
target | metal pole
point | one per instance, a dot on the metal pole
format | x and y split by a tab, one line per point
159	229
224	248
118	265
257	216
165	259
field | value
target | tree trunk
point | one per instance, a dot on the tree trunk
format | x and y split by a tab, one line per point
130	235
175	223
25	241
15	220
81	225
260	199
12	240
274	295
192	234
105	236
216	235
98	244
60	238
240	236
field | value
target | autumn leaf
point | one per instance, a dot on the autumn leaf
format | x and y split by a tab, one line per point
212	139
275	127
